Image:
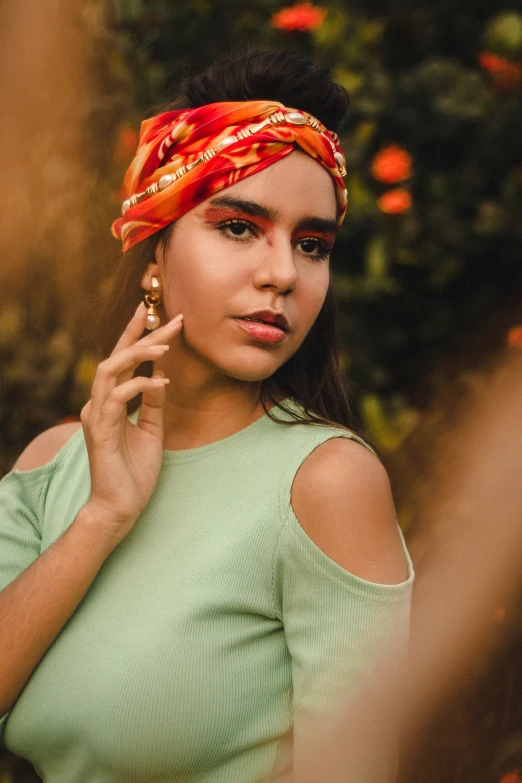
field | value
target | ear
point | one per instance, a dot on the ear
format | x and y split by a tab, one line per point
146	280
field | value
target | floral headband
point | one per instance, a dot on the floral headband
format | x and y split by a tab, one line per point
185	156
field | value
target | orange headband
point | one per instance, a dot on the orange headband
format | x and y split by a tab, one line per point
185	156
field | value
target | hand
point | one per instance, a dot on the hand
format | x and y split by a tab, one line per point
125	458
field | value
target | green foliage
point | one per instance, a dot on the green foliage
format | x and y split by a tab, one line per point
435	276
432	275
503	34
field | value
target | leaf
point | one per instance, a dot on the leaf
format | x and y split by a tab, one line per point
503	34
349	79
334	28
370	33
359	196
377	261
365	132
388	423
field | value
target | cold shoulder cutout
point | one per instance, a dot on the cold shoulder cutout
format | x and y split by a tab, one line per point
210	631
45	446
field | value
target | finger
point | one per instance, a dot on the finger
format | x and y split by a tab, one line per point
119	367
134	329
84	414
133	333
114	410
124	370
152	408
159	336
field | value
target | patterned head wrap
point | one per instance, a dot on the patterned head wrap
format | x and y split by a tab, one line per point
186	156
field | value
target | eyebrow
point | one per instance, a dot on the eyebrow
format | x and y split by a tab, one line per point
254	209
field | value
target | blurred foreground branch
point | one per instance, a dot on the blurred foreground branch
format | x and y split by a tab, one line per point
466	544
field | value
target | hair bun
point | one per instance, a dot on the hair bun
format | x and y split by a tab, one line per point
268	74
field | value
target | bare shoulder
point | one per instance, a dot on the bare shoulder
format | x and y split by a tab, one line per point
46	445
342	497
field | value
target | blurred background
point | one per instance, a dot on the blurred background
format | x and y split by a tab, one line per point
427	267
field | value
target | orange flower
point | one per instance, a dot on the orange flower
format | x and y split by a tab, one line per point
506	74
515	337
301	16
392	164
395	202
511	777
67	419
126	144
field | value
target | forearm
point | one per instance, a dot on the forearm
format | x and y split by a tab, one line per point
38	603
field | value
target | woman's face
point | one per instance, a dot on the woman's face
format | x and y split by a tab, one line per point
262	243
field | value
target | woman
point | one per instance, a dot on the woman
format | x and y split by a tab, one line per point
191	590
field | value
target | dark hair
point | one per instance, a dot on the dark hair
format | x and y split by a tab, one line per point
312	376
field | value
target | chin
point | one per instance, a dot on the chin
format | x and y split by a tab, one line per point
249	363
249	375
253	370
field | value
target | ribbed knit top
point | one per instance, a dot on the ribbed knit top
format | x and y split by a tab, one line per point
209	629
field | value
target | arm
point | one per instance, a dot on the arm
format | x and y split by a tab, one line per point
40	591
344	580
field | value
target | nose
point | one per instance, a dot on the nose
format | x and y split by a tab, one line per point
277	266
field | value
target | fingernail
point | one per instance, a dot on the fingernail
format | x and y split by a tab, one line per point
159	349
177	318
139	307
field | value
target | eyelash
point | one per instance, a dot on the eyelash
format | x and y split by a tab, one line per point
324	249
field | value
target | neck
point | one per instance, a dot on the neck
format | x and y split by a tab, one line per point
198	421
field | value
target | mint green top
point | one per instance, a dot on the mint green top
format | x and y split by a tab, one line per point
209	629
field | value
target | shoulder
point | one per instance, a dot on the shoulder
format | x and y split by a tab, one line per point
45	446
342	498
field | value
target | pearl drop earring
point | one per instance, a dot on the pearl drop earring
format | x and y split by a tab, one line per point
152	298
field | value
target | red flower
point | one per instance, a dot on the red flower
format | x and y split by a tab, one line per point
395	202
515	337
126	144
70	418
301	16
392	164
506	74
511	777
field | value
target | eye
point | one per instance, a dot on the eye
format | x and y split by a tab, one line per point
235	229
322	249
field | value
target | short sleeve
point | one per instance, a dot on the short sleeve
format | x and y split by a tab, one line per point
348	642
21	504
21	511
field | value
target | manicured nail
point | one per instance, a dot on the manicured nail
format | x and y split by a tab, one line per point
139	307
159	349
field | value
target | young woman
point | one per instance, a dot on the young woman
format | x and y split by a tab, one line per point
200	576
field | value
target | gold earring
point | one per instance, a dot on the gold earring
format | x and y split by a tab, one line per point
152	298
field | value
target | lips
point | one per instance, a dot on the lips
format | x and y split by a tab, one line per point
266	333
268	317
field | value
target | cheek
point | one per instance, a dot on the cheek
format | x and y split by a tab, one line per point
200	277
316	292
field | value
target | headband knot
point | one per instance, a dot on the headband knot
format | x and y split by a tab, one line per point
186	156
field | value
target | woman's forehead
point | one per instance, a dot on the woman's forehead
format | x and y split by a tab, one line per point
294	185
